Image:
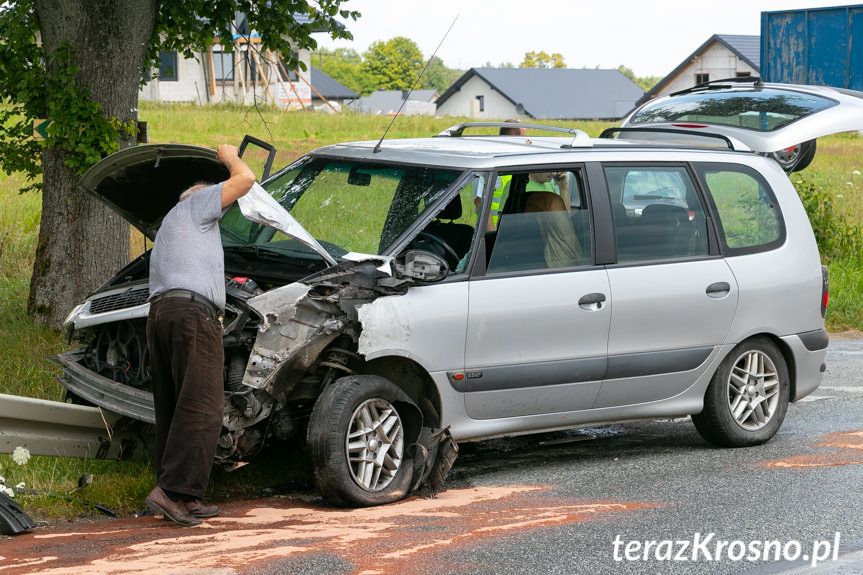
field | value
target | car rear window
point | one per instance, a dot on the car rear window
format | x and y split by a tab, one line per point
763	109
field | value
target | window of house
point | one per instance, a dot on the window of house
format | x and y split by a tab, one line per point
542	222
657	213
257	67
283	71
168	66
481	103
749	218
223	65
702	78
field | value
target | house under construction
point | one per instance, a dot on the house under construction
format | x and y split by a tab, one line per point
249	73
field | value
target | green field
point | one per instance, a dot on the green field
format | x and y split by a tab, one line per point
832	185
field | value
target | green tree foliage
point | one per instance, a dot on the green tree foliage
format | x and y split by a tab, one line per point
438	77
400	57
79	127
542	60
344	65
645	83
86	83
394	64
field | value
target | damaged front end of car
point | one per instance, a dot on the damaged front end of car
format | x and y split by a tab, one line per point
290	332
307	340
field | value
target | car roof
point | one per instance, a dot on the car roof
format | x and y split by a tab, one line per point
482	152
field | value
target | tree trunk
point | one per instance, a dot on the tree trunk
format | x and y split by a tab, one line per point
81	243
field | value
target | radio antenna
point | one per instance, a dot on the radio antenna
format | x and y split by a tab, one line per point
411	91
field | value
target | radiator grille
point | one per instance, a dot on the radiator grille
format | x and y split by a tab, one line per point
120	300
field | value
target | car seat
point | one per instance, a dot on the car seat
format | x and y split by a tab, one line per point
560	244
665	231
458	236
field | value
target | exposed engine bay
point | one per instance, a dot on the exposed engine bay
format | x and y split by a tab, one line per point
282	348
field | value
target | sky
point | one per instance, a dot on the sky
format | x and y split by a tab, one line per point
651	37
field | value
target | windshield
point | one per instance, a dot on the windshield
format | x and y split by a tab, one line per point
763	110
348	206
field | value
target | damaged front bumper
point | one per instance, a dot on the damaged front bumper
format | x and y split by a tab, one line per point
102	391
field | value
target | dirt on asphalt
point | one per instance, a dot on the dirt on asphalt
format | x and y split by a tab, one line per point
280	535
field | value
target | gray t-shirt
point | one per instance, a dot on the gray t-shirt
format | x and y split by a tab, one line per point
187	253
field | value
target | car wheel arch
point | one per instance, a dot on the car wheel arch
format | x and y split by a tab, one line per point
414	380
748	395
782	346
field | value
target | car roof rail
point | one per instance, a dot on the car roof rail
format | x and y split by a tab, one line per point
610	133
721	84
580	139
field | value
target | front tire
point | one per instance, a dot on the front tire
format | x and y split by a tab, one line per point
358	438
747	398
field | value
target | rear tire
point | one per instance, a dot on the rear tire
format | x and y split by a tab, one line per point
796	158
357	440
747	398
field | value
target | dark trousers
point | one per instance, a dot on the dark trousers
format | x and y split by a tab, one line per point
187	362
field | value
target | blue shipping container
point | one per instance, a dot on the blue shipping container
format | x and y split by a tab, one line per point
817	46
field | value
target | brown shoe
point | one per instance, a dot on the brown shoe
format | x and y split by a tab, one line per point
176	512
197	508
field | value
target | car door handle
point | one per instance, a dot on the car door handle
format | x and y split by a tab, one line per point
592	301
718	289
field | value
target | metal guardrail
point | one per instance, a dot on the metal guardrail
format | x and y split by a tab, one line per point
66	430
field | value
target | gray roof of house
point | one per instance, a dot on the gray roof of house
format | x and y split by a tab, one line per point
329	88
558	93
388	101
746	47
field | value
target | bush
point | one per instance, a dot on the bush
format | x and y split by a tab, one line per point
837	238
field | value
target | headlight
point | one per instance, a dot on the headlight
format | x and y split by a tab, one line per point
70	319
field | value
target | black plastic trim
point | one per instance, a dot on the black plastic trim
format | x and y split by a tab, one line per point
656	362
608	133
815	340
582	370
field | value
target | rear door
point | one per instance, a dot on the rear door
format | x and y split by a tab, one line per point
674	297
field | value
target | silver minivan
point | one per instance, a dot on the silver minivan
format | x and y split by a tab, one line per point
387	300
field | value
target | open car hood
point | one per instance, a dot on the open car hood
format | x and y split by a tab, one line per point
143	183
764	117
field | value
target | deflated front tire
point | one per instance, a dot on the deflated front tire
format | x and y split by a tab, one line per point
358	435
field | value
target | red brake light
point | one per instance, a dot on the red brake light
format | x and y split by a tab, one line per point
825	290
689	125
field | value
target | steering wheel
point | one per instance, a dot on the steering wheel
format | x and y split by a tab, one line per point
450	255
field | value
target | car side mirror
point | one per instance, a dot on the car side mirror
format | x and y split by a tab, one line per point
420	265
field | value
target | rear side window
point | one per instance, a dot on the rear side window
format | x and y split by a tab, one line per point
749	216
657	213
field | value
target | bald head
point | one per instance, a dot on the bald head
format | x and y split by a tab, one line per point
192	189
513	131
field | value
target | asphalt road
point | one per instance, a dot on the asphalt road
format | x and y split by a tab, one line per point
640	498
